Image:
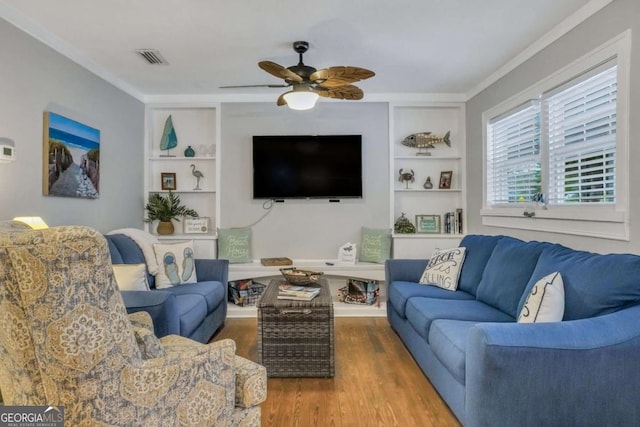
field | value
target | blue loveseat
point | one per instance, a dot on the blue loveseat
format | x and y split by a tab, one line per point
493	371
194	311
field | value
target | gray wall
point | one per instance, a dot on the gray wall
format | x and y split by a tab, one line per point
303	229
601	27
34	79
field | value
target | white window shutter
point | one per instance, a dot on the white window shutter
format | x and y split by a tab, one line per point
580	123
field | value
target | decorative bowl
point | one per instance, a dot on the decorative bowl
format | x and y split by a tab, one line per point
301	277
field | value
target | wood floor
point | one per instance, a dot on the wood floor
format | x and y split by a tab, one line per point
377	382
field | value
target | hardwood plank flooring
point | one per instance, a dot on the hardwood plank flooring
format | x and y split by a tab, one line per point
377	382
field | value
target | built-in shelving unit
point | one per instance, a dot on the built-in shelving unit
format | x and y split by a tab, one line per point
336	275
196	127
437	118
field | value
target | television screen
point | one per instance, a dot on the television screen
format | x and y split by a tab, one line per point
299	166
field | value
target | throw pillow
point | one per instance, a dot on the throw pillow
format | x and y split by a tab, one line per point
131	277
545	302
176	262
443	269
375	245
234	244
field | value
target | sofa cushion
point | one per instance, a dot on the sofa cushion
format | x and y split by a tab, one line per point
544	301
400	292
422	311
508	272
448	340
177	264
131	277
212	292
478	251
375	245
235	245
192	309
443	269
594	284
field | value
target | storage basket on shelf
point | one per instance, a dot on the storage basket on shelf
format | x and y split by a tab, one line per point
360	292
245	293
301	277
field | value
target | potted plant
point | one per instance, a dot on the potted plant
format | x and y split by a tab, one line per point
164	209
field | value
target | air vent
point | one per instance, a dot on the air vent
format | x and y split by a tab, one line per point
152	56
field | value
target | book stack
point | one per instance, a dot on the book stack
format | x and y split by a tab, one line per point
453	222
297	293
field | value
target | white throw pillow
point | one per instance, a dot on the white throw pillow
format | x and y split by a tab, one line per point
176	262
131	277
545	302
443	269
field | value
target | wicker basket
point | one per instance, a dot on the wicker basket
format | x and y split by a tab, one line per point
301	277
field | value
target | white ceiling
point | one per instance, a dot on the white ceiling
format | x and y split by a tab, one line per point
414	46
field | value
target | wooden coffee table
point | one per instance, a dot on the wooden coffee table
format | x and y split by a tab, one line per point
295	338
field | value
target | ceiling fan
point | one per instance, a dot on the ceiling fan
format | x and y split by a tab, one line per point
307	83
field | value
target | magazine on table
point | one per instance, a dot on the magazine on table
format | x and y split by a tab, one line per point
299	293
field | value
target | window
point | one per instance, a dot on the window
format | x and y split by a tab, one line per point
577	126
563	142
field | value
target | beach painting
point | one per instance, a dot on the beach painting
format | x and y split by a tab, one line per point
71	158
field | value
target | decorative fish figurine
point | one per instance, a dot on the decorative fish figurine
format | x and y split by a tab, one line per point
425	140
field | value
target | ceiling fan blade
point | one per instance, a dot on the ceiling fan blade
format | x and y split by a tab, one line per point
350	92
279	71
241	86
339	76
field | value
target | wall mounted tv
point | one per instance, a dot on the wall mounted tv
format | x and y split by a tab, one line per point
301	166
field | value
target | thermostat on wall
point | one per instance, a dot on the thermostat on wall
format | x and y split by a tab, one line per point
7	150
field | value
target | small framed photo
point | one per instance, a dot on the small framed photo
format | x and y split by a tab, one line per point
168	180
445	180
429	224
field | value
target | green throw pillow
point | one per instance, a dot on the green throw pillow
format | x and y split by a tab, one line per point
234	244
376	245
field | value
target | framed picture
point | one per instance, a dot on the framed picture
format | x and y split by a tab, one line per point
445	180
198	225
428	224
71	161
168	180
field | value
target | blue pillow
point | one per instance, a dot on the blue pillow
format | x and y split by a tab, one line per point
508	272
594	284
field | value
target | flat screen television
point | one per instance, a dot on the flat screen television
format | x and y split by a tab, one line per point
304	166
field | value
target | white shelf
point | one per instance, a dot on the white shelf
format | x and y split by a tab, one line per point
427	236
428	157
360	270
424	190
182	236
181	158
182	191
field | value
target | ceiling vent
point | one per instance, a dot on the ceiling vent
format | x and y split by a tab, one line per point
152	56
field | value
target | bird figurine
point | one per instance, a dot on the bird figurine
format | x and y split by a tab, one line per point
198	175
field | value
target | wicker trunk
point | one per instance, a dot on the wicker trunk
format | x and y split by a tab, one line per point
295	338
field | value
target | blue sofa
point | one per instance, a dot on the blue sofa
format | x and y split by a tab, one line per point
493	371
194	311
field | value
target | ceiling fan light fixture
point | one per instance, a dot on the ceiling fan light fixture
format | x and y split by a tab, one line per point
301	99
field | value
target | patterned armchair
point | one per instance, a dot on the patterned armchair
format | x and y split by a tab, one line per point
66	339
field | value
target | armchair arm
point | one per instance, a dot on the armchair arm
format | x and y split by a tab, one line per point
213	269
161	306
581	372
194	384
407	270
141	319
